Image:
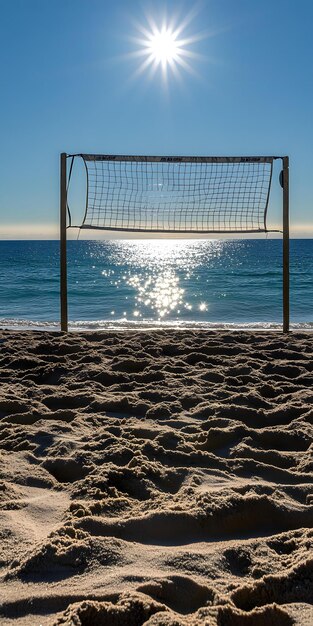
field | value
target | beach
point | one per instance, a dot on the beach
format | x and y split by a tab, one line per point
157	478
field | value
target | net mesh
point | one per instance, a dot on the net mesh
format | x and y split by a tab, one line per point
177	194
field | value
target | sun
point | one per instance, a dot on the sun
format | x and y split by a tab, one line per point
166	47
163	46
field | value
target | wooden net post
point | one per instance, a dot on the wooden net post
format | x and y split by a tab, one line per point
285	186
63	261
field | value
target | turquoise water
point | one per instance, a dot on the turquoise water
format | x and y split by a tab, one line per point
213	283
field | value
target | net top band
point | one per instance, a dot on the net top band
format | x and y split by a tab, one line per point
177	159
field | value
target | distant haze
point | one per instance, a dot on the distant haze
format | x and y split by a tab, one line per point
51	231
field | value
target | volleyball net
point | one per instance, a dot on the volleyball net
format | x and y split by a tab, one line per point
177	194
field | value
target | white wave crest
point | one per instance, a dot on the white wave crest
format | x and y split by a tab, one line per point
123	324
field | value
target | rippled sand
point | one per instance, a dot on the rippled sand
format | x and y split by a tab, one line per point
156	478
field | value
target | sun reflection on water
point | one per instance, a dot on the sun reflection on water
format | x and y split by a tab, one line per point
159	270
184	254
160	292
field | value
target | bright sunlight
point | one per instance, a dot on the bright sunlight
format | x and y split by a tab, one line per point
163	46
166	46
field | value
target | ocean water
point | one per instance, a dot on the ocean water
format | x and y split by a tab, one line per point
181	283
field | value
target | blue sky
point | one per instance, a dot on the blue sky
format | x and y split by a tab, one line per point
70	83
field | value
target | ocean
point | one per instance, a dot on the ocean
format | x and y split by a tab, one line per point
152	283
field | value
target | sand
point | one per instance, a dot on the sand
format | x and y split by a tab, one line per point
156	478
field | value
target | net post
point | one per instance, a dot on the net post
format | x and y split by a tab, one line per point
285	186
63	260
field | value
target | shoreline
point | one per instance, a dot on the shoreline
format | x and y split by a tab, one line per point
126	325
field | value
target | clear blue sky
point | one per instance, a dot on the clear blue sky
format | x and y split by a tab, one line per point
68	83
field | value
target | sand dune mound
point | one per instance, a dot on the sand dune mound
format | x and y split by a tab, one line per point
156	478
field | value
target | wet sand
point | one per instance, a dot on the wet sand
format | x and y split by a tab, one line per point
160	478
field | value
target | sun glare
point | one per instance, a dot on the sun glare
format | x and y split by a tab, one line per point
163	46
166	46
